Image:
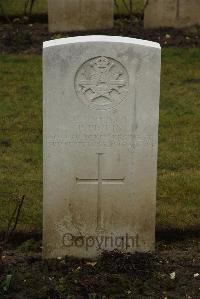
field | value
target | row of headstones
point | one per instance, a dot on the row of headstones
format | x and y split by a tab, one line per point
72	15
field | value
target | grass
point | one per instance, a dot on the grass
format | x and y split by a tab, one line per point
179	140
178	194
21	136
16	7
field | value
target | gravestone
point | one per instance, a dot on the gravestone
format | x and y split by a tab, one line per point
171	13
101	106
72	15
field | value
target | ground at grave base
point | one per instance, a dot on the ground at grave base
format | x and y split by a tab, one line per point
173	271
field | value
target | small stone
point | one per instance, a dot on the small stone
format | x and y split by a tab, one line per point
51	278
91	263
196	274
77	269
173	275
167	36
17	21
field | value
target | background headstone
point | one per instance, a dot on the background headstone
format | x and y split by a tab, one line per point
72	15
171	13
101	106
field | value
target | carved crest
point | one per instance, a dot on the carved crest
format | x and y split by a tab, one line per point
102	83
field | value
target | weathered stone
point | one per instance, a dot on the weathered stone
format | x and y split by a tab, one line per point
171	13
101	106
71	15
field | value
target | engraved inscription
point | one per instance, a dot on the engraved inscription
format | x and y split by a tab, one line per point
102	83
94	132
93	140
100	181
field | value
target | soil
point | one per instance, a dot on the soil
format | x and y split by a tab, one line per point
28	38
173	271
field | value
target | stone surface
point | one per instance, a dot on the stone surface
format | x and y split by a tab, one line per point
72	15
172	13
101	106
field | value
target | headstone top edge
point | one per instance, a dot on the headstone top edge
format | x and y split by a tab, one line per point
100	38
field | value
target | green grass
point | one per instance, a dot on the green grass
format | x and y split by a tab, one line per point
21	136
16	7
179	140
178	195
138	6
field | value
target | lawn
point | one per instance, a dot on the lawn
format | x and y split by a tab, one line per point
178	190
16	7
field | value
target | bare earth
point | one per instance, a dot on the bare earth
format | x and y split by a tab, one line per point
173	271
28	38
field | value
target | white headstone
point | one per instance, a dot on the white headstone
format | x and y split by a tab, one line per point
171	13
70	15
101	111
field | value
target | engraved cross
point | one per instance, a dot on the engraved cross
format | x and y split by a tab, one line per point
100	181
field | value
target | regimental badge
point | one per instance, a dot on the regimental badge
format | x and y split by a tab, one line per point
102	83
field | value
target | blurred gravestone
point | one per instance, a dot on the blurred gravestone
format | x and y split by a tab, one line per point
72	15
172	13
101	105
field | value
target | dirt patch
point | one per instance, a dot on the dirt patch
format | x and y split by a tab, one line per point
28	38
171	272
